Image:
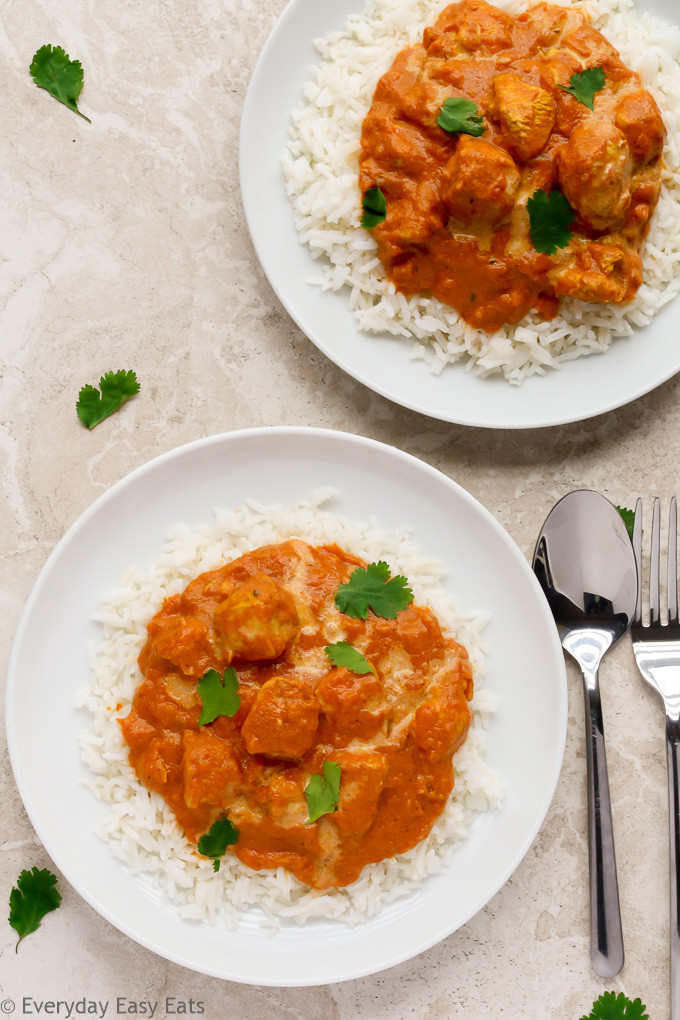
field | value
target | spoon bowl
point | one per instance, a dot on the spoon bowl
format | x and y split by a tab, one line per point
585	563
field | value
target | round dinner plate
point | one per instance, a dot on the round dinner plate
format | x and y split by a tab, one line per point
579	389
128	525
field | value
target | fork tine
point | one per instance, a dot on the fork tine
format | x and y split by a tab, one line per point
637	547
654	566
673	563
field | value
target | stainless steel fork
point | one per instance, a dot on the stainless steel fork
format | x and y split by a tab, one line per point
657	652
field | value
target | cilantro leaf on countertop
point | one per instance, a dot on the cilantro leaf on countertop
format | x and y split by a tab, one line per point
550	217
215	841
343	654
585	84
460	116
34	895
218	694
611	1006
628	518
372	587
323	792
53	70
374	208
116	388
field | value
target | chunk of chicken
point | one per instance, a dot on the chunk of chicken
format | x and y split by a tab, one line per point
419	629
395	143
595	173
547	21
525	111
137	730
363	778
158	761
354	705
589	43
642	204
638	117
598	271
184	693
159	703
441	723
411	220
211	774
183	641
424	101
556	76
257	620
476	26
287	805
283	720
404	73
479	182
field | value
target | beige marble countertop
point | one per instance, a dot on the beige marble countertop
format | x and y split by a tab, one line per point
123	244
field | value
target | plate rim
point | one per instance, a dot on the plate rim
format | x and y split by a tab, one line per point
300	315
234	437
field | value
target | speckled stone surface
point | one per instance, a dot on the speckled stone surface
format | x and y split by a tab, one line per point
123	243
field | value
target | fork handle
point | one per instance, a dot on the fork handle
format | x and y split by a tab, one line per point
673	749
606	937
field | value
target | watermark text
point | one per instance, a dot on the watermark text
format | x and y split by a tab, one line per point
171	1005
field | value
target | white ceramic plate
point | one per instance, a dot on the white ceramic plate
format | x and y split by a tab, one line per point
127	525
580	389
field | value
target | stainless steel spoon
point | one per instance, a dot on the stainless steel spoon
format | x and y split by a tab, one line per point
585	563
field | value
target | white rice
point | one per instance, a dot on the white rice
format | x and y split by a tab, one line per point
321	165
141	830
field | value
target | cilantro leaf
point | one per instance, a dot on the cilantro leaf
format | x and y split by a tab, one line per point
584	85
323	792
218	696
374	206
116	388
373	588
550	217
343	654
611	1006
215	841
460	116
628	518
52	69
34	895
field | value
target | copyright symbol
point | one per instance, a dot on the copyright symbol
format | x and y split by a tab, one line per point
7	1006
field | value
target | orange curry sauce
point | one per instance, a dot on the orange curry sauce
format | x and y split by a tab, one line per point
457	223
270	614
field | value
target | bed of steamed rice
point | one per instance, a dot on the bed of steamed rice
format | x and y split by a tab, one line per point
321	164
140	829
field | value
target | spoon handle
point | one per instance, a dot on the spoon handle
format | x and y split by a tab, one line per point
606	937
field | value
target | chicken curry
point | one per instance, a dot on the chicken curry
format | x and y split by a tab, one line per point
392	730
457	222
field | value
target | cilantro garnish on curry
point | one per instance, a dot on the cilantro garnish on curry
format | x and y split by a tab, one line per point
550	217
300	708
373	588
323	791
215	841
373	207
460	116
583	86
218	695
342	654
